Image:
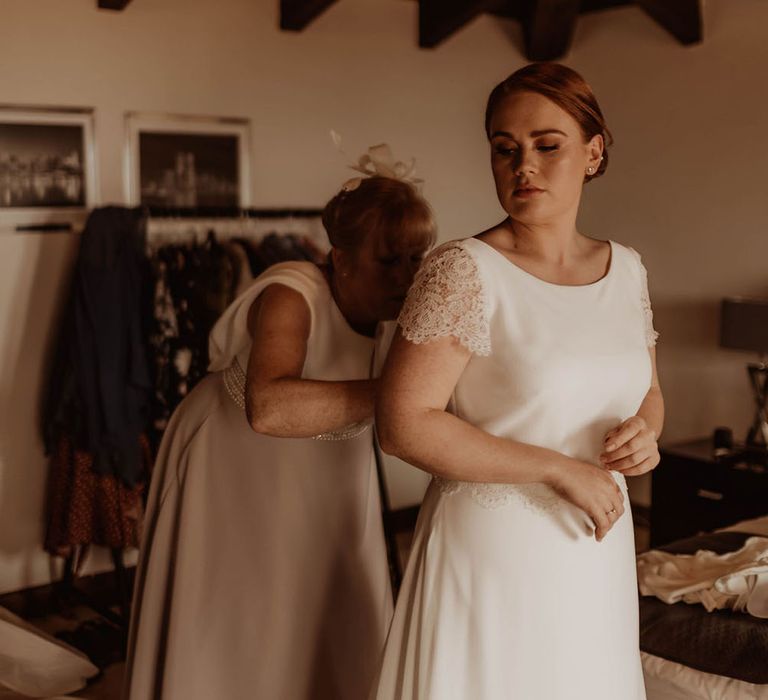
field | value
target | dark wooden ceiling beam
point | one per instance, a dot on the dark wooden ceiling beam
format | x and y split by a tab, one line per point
296	15
600	5
510	9
548	27
113	4
514	9
681	18
438	19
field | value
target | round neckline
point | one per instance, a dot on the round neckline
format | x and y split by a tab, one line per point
590	285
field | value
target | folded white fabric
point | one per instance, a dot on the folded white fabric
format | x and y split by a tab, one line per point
36	665
737	580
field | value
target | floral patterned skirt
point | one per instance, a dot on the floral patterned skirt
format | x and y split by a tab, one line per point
85	507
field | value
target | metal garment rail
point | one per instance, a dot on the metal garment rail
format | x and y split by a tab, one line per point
230	212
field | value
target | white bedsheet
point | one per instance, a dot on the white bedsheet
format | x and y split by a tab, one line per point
34	664
667	680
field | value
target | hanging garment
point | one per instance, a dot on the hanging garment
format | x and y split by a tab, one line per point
193	284
96	409
100	384
86	508
109	347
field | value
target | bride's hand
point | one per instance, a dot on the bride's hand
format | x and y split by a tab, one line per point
631	448
592	489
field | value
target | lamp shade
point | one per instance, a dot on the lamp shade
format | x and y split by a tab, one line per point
744	324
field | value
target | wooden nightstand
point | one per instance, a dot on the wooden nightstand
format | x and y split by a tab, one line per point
692	491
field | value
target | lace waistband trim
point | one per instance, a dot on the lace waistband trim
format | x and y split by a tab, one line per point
537	497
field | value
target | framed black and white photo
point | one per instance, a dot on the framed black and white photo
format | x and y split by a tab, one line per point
47	164
185	161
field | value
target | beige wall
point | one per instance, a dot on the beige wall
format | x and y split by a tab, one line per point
686	184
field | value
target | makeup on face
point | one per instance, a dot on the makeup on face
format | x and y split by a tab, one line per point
538	157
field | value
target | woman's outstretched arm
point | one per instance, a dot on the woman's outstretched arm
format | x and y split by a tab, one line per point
278	401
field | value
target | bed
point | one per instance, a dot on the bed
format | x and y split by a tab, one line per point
690	654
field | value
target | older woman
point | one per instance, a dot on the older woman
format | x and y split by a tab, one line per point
263	571
524	380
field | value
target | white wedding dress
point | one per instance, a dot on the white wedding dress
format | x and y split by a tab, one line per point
507	594
263	571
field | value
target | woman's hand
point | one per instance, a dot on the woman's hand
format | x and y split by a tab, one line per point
631	448
592	489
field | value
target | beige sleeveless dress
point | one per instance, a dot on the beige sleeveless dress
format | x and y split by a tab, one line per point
263	571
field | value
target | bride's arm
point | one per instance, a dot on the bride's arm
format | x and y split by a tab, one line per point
413	424
278	401
632	446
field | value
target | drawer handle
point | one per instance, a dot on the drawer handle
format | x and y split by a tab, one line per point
709	495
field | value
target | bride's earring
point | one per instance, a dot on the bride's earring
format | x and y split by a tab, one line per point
591	169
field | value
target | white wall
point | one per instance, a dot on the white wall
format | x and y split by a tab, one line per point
686	184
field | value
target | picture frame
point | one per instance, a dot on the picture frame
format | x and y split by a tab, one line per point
48	178
184	161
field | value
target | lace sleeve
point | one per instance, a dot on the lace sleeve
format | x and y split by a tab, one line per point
447	298
651	335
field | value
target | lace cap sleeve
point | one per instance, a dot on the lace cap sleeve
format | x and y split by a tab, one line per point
651	335
447	298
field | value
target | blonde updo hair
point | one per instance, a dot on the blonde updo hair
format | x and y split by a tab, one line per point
382	207
567	89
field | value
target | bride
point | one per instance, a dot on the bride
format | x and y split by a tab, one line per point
524	379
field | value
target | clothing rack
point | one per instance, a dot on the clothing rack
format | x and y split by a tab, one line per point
173	225
185	213
231	213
